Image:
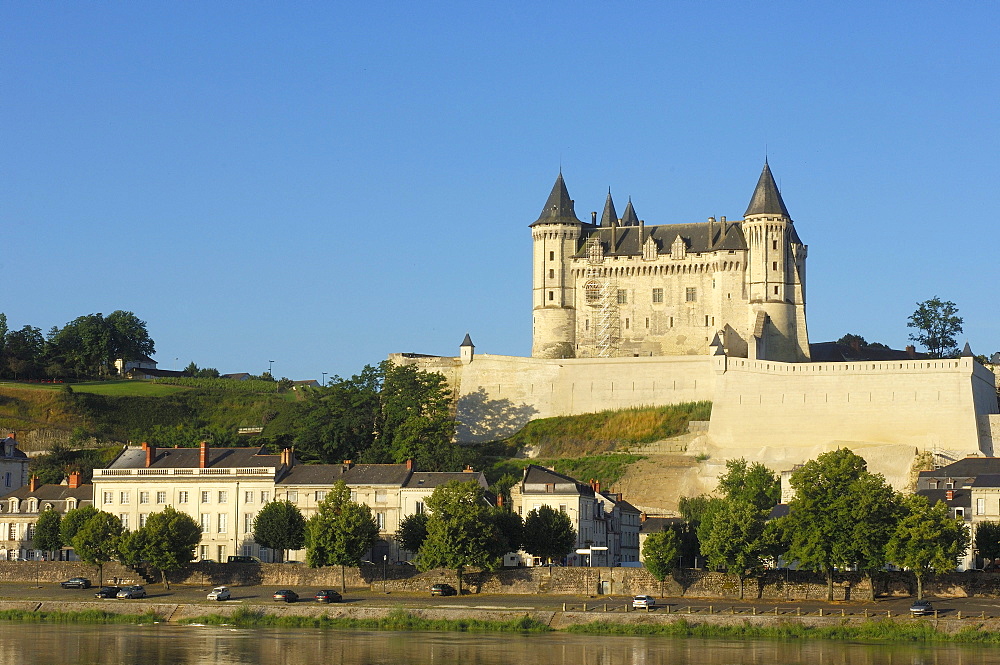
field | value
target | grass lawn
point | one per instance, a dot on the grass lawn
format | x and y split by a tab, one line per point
131	388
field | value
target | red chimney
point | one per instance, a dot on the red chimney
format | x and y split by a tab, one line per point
642	517
949	495
597	486
499	500
203	459
468	468
911	350
74	480
33	483
150	453
409	464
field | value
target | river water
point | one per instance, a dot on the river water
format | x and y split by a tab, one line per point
31	644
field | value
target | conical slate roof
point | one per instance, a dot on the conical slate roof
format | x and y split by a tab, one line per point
610	217
558	207
467	341
629	218
766	198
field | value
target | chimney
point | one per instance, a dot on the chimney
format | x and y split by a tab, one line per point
642	233
593	217
74	480
911	350
467	469
347	465
409	464
499	500
642	516
150	453
203	458
597	486
33	483
949	495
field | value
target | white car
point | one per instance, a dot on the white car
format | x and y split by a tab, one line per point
644	602
219	593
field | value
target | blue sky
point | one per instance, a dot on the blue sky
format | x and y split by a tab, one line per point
322	184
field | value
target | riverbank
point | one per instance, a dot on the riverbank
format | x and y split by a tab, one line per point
981	629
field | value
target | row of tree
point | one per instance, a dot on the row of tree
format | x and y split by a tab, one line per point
842	517
85	348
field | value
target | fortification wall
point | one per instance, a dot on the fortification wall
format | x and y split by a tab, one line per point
925	404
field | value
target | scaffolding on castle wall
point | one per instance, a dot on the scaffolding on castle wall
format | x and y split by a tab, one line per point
602	296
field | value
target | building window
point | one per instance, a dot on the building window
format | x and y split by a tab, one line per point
248	496
109	498
206	523
71	504
293	496
203	552
690	294
622	297
354	496
31	532
980	506
380	496
143	497
223	496
552	256
706	320
7	478
774	244
774	265
182	497
247	522
960	512
265	496
12	531
123	518
552	295
657	295
221	549
142	519
671	322
562	507
124	496
320	495
647	321
586	324
626	324
222	522
380	521
419	507
33	506
593	291
161	497
776	290
552	273
247	550
206	496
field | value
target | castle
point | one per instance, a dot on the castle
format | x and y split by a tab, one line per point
626	315
622	288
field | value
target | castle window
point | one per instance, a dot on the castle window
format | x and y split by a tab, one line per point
647	321
706	320
552	295
586	324
774	244
671	322
593	291
774	265
691	294
626	324
776	290
552	273
552	256
622	297
657	295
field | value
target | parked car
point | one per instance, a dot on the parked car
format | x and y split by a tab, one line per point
286	595
76	583
328	596
219	593
443	590
921	608
242	559
644	602
132	592
107	592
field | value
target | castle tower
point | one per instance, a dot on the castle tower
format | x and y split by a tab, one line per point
775	276
555	235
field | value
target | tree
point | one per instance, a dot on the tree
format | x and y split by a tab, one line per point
412	532
340	532
415	419
337	422
660	554
735	541
129	339
462	531
753	483
548	533
876	510
988	542
73	520
170	540
821	520
937	327
280	526
927	540
96	542
48	536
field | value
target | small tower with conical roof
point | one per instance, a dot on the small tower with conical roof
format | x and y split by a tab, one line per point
555	235
467	350
775	276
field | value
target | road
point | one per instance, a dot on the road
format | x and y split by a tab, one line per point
261	595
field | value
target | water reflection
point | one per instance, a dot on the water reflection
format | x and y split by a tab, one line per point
175	645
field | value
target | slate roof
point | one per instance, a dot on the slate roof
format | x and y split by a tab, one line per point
536	478
467	342
377	474
986	480
436	478
960	498
609	217
835	352
766	199
190	458
970	467
84	492
558	207
695	238
629	218
658	524
312	474
15	452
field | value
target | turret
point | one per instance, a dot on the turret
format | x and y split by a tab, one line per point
555	235
775	275
467	350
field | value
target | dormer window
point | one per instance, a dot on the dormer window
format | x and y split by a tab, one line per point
649	250
71	504
13	505
678	250
33	506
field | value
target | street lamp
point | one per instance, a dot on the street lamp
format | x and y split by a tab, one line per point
324	379
269	363
385	562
